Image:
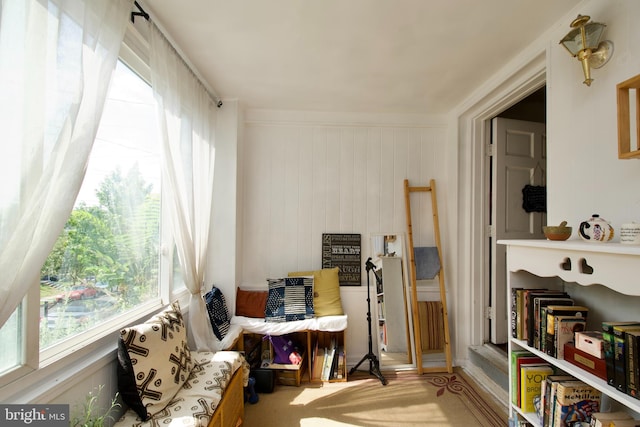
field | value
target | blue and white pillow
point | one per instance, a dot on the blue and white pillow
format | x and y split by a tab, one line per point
289	299
218	312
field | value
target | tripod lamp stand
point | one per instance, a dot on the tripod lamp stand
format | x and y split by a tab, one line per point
374	365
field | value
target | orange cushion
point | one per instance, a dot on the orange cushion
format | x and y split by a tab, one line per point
251	303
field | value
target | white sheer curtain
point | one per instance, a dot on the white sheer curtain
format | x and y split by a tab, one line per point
186	115
56	62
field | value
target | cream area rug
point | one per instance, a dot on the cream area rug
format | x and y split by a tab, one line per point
437	400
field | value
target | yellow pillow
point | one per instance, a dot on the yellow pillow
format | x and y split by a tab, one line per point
326	291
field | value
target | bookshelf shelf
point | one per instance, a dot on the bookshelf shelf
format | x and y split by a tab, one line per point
602	277
257	349
626	400
321	343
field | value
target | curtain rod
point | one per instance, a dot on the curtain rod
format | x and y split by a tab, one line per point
145	15
185	62
141	12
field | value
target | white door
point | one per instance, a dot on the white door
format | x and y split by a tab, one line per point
519	159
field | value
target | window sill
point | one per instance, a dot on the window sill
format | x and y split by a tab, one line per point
62	367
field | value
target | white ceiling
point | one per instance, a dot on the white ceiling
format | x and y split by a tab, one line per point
391	56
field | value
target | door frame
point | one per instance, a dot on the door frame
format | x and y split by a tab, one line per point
474	133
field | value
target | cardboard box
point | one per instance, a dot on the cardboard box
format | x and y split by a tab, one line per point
288	377
585	361
590	342
288	374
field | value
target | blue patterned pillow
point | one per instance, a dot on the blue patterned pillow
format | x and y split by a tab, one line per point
218	313
290	298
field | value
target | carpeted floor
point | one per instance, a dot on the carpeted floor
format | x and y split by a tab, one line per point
437	400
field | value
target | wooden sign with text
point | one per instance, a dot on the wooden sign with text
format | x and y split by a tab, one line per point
343	251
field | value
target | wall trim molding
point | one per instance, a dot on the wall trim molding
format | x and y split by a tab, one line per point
327	118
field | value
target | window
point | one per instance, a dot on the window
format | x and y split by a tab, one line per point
106	266
113	262
107	259
11	337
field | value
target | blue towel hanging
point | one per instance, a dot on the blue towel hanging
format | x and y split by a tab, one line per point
427	262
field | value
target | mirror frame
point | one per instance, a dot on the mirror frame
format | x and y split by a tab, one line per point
408	303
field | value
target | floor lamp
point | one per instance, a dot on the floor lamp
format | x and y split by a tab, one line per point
374	365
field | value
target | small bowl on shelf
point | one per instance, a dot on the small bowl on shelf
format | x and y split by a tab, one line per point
557	232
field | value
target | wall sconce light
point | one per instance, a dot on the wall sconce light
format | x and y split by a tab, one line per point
584	42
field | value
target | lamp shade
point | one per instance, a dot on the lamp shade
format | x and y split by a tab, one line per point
574	42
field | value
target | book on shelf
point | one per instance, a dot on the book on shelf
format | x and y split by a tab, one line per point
328	362
520	358
524	314
384	333
548	396
530	306
565	329
381	312
632	350
540	303
540	311
543	330
620	350
531	379
518	308
554	311
342	363
519	315
318	362
334	365
575	401
513	308
609	346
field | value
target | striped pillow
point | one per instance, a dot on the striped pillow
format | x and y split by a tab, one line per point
289	299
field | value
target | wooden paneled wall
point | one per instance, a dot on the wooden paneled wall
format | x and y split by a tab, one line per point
301	180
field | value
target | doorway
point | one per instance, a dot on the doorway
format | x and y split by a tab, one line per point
516	169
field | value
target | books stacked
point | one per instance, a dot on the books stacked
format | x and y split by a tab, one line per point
565	401
520	358
621	344
562	322
610	354
329	363
525	311
546	319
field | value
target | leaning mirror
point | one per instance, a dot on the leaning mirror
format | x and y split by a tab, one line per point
394	338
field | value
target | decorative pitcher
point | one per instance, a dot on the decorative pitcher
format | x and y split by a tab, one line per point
596	229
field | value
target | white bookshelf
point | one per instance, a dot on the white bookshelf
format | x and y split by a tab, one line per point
603	276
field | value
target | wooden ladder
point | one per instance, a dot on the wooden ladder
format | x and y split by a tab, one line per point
414	292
